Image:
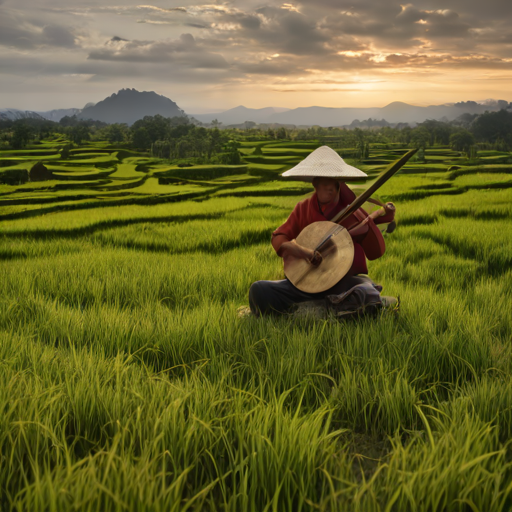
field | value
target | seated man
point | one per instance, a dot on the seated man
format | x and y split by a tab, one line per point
330	197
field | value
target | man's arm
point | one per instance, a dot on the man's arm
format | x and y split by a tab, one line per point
384	214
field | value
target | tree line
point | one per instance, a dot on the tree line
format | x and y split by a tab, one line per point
180	138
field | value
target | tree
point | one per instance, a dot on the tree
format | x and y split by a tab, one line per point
462	140
158	127
79	133
420	137
116	132
214	142
231	156
64	151
141	139
281	133
439	132
69	121
21	136
493	126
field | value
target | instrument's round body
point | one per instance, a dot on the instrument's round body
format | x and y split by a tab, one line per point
337	257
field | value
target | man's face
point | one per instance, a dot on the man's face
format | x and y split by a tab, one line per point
326	189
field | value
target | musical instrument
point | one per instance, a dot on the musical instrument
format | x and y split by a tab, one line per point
333	242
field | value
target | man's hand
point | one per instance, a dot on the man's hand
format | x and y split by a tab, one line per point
389	207
294	250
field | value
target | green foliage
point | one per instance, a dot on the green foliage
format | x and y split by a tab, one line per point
116	132
203	172
80	133
420	155
494	127
21	136
281	133
141	139
129	383
64	151
231	156
462	140
13	176
420	137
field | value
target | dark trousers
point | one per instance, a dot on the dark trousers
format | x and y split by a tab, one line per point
279	296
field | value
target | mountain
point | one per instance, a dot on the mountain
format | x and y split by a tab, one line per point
13	114
57	114
240	114
129	105
396	112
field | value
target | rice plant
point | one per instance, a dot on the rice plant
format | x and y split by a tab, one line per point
128	382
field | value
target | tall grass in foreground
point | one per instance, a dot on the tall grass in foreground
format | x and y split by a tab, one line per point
127	381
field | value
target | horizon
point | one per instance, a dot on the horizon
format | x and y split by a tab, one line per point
213	111
330	53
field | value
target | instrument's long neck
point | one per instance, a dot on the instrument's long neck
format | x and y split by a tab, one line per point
361	199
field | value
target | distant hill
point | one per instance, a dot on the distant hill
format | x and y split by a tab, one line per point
57	114
14	114
129	105
396	112
240	114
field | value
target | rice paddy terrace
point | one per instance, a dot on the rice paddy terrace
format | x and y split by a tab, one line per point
128	382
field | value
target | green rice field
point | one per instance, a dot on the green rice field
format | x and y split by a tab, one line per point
128	381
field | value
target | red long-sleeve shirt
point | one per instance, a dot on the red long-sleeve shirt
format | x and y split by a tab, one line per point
369	244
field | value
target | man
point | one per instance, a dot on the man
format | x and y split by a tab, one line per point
327	170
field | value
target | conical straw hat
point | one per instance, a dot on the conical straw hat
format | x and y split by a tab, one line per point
324	163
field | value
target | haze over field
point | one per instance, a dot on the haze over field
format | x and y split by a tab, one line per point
213	57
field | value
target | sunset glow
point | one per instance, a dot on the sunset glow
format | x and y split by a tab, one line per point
217	56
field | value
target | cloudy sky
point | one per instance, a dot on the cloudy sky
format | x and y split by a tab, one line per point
215	56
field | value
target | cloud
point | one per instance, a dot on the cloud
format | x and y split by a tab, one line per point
53	35
14	33
237	41
160	9
183	51
17	32
445	23
275	67
196	25
306	89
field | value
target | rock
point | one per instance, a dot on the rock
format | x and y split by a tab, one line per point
312	309
39	172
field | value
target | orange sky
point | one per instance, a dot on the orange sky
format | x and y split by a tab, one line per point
211	57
